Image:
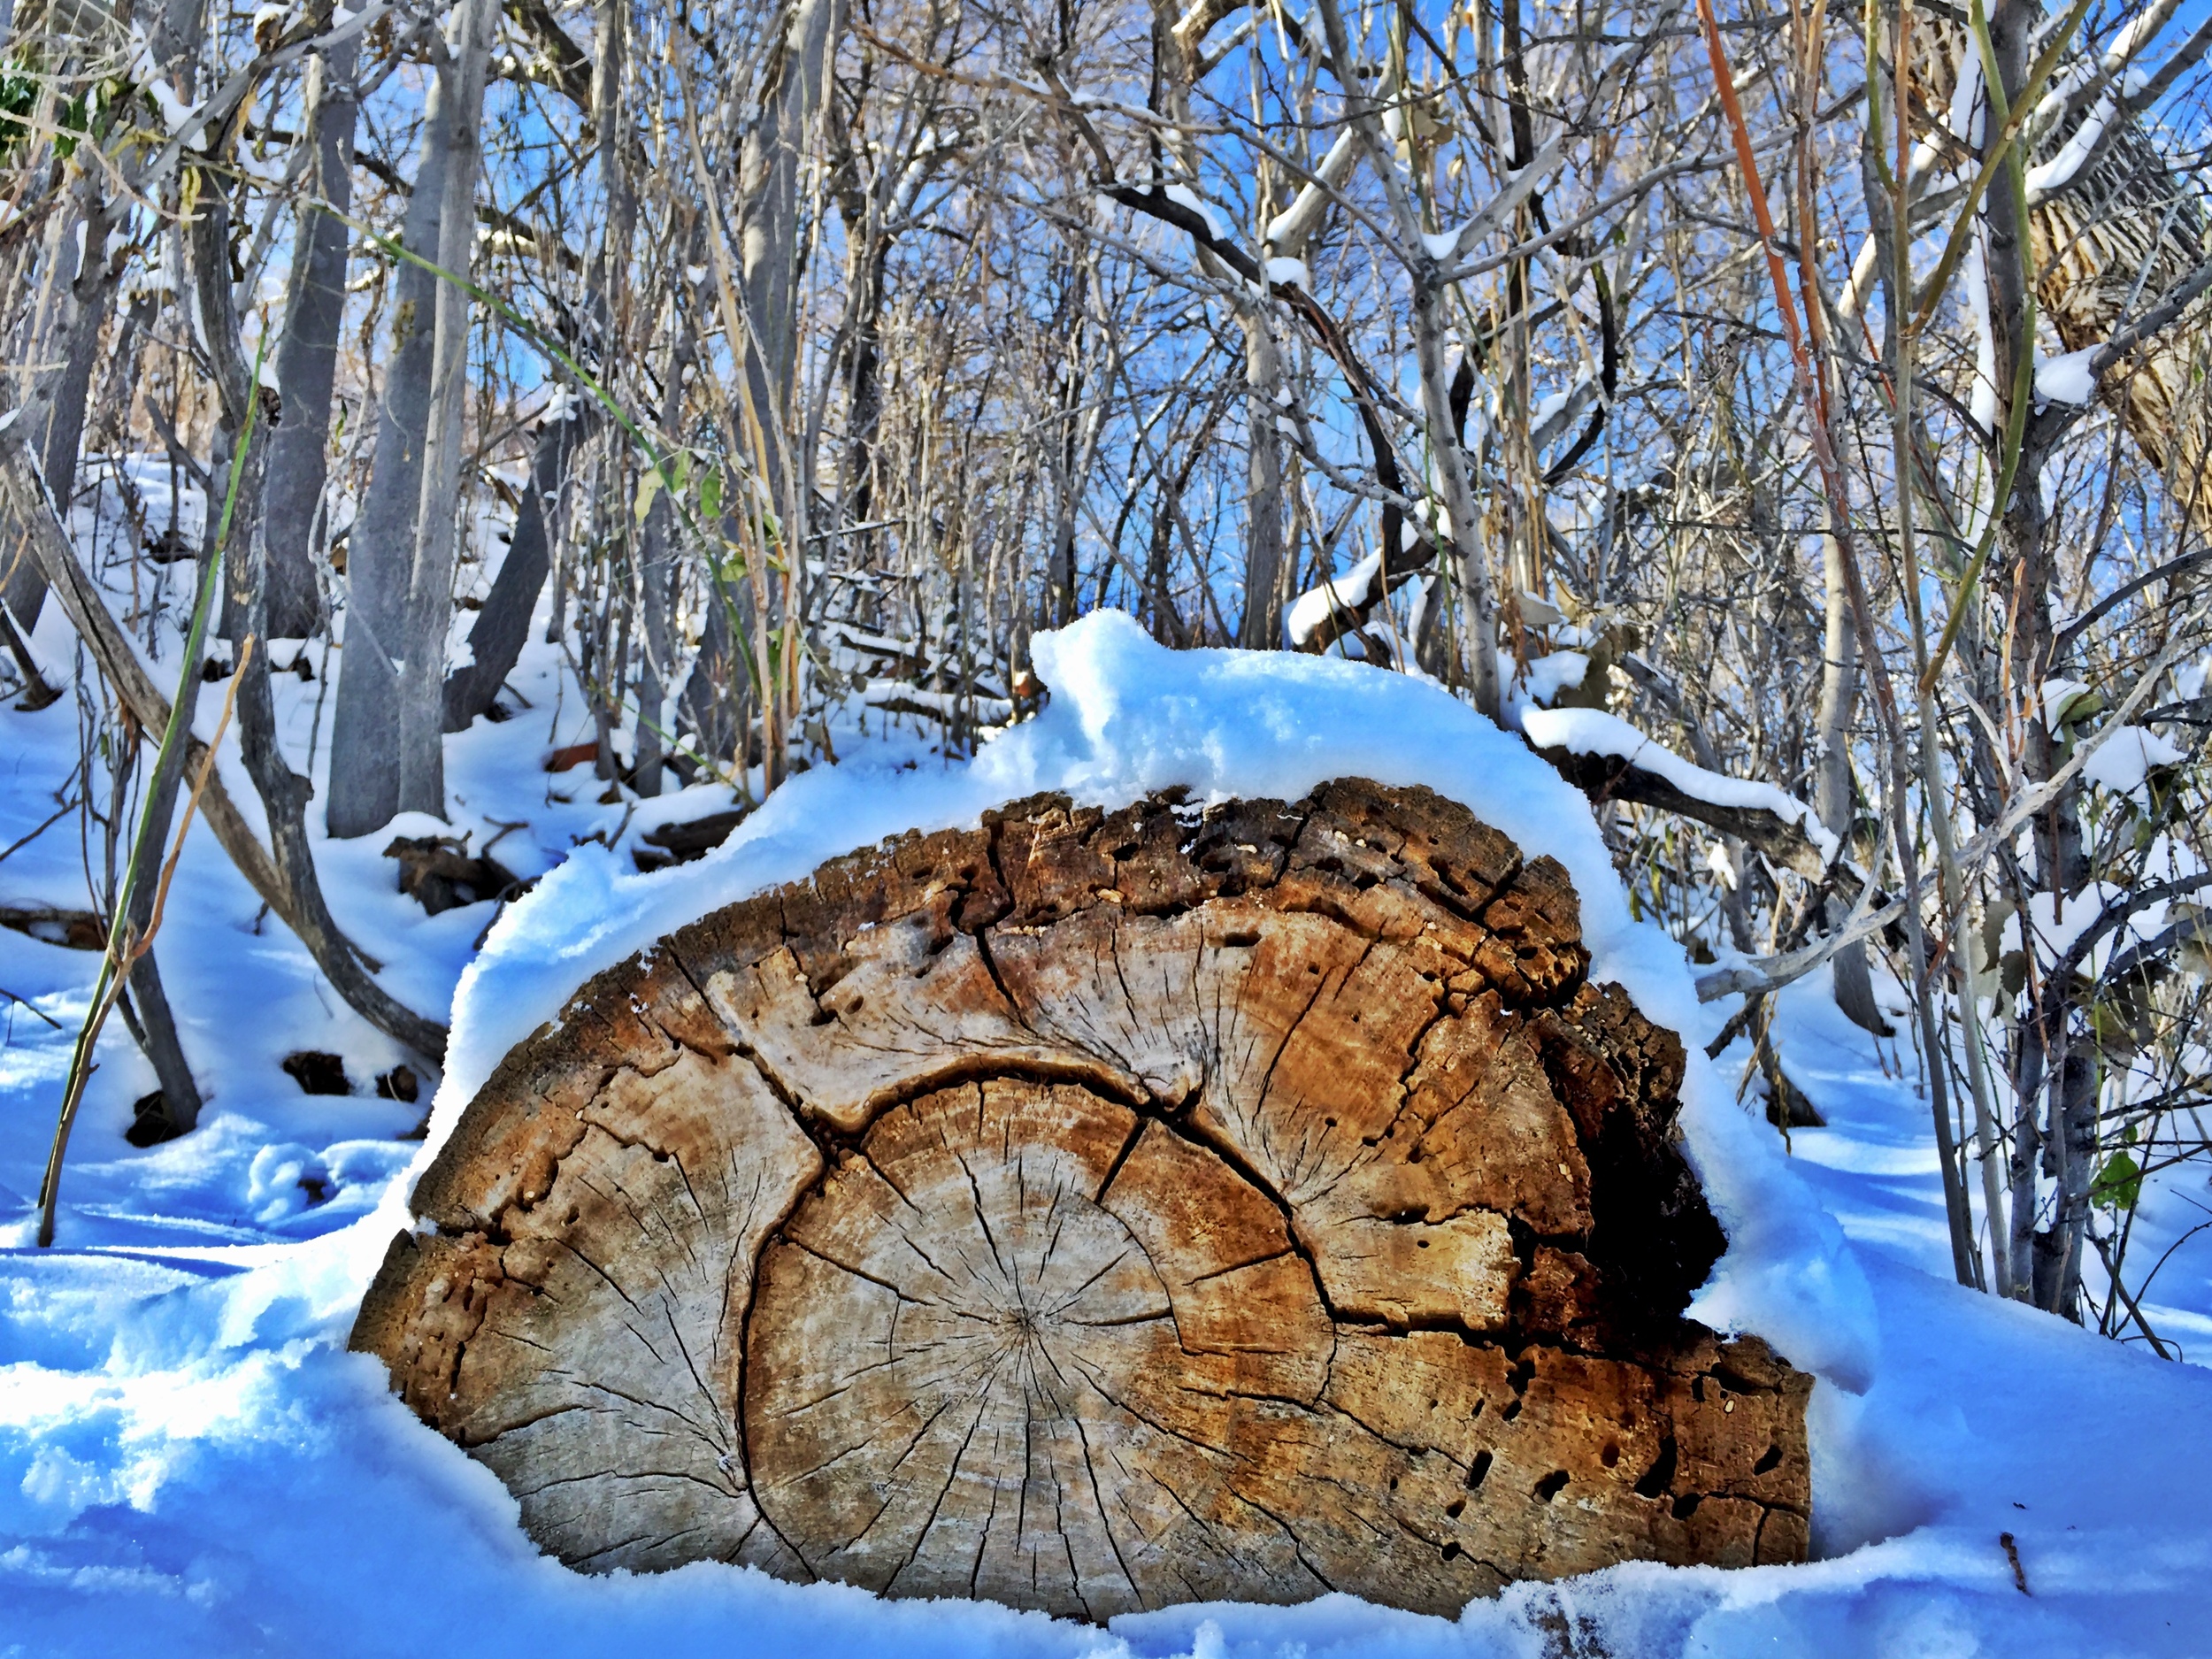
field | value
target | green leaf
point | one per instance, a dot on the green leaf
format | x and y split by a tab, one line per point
2080	706
649	486
710	494
70	118
19	96
2119	1184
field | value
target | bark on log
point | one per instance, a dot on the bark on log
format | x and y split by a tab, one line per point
1096	1211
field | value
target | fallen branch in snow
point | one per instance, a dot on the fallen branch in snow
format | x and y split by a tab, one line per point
52	925
1606	757
24	502
33	1009
946	707
686	838
36	693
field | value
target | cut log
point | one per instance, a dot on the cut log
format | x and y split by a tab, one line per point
1096	1211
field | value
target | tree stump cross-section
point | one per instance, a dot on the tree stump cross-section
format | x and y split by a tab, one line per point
1094	1211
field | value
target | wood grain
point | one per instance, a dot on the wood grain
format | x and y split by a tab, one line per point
1096	1211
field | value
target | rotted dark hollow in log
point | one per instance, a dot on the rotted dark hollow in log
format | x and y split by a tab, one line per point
1100	1210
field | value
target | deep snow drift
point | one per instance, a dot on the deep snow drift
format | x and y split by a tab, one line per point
190	1464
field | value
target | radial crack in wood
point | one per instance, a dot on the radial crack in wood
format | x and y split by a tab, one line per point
1101	1210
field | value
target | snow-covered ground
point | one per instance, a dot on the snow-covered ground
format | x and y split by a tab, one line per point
191	1464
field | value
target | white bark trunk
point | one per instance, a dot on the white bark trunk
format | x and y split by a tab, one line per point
429	610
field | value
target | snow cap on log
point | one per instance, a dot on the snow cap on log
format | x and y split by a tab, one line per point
1100	1210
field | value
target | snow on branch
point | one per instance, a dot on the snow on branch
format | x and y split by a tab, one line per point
1447	248
1319	616
2068	378
1656	776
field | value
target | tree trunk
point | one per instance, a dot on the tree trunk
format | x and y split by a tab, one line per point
284	793
364	761
708	706
428	616
2107	244
1071	454
796	83
307	358
657	637
153	1023
57	405
176	28
1262	626
148	1016
1470	570
768	181
2029	563
503	626
1833	795
656	601
1095	1212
